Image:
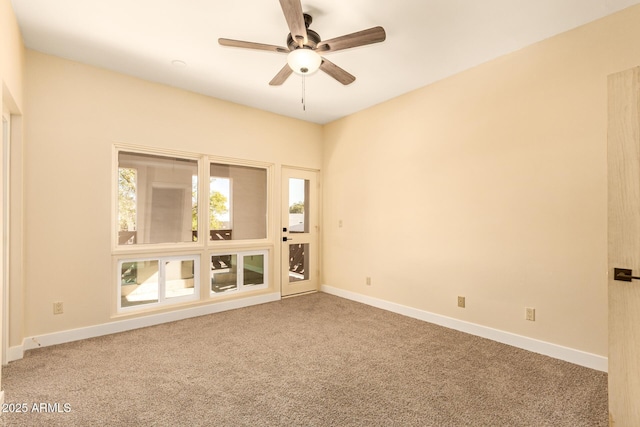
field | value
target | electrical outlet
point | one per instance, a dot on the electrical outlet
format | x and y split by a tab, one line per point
461	302
368	281
58	308
531	314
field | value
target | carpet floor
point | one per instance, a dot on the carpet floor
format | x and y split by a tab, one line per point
314	360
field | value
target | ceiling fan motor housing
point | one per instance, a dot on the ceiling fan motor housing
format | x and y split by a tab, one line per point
313	38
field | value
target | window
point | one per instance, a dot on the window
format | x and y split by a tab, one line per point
298	200
161	280
237	272
162	202
157	199
237	202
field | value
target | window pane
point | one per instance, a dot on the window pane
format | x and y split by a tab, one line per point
298	262
219	208
157	199
298	205
237	202
139	283
253	269
127	212
224	273
179	278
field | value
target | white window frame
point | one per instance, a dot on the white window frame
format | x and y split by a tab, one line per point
162	282
240	287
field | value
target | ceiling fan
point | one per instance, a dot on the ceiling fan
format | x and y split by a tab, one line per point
306	49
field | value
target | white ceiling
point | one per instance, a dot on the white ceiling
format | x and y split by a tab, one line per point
427	40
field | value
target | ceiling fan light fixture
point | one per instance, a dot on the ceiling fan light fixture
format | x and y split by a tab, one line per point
304	61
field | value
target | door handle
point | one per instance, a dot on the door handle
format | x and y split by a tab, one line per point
624	274
286	239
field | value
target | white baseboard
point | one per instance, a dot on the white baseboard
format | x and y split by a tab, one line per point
17	352
577	357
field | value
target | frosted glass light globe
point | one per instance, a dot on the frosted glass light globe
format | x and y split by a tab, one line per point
304	61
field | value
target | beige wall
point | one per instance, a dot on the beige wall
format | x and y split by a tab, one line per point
75	115
491	185
11	58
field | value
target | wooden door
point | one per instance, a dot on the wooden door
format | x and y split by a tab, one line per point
624	247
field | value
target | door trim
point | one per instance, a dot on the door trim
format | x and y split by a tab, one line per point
6	229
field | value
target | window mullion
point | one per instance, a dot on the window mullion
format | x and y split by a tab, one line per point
203	201
240	271
162	279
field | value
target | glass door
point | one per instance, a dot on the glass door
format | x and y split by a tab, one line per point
299	231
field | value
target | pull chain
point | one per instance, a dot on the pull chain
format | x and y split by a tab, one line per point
304	101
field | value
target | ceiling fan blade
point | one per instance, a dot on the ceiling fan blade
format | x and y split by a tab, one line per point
292	10
336	72
252	45
360	38
282	76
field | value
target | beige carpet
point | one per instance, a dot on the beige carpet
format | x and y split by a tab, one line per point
315	360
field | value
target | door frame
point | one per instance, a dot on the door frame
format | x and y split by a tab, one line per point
5	181
312	238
